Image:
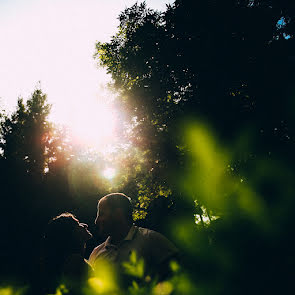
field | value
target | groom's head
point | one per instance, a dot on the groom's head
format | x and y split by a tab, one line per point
113	212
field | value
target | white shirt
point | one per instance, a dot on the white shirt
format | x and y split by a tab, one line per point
152	246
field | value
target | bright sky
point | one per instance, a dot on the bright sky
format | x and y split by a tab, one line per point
53	41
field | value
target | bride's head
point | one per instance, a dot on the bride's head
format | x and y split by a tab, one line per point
66	234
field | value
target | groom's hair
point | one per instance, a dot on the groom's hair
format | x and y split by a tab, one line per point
120	200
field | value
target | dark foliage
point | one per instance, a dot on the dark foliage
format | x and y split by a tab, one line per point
230	66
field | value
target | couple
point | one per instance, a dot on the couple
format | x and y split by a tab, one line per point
66	239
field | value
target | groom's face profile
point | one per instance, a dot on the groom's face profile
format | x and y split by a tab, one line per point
104	219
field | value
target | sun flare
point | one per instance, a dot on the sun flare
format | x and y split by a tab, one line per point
92	123
109	173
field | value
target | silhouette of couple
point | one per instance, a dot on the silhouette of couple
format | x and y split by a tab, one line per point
65	241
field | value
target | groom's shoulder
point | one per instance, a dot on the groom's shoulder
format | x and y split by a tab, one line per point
150	234
154	238
146	233
155	246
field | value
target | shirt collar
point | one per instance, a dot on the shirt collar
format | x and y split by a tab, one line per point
129	237
131	233
108	242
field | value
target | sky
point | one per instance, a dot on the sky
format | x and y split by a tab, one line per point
53	41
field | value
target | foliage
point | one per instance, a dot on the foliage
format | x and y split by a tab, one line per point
227	65
208	61
25	135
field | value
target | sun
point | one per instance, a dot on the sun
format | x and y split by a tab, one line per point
92	122
109	173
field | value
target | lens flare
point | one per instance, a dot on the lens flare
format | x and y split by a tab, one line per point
109	173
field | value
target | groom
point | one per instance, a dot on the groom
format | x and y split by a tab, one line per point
114	221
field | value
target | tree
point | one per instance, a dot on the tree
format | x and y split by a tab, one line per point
25	135
204	60
229	65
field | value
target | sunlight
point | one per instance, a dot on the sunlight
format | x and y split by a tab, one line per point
59	53
109	173
92	122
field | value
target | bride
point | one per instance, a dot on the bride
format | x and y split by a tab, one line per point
62	263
